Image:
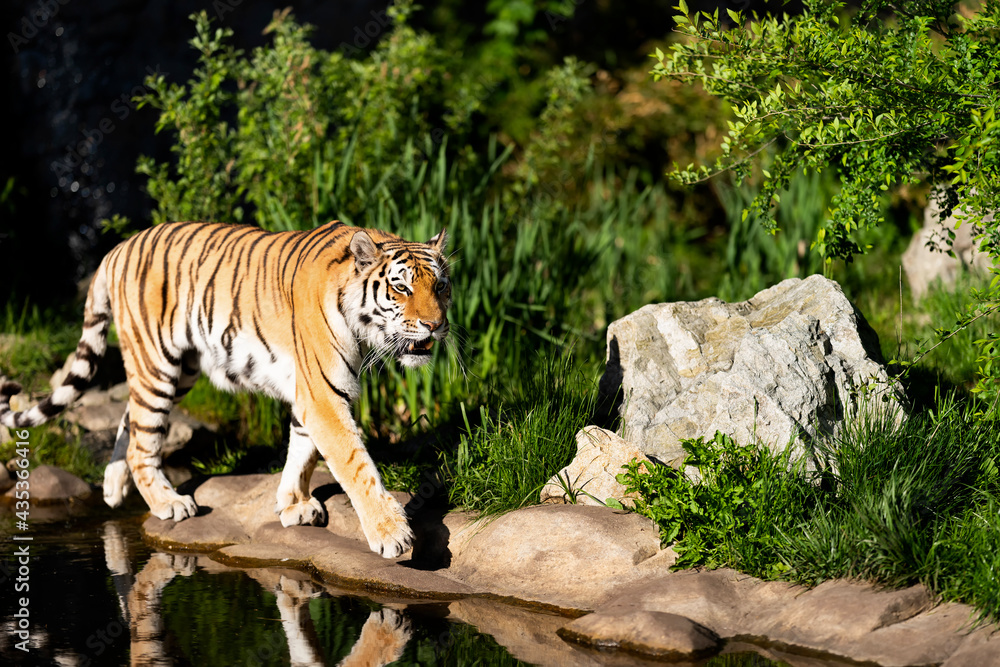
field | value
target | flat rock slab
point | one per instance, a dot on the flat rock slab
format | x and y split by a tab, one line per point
575	559
566	555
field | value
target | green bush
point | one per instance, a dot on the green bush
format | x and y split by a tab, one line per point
734	516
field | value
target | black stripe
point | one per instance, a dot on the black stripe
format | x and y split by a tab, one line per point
337	390
147	406
78	383
339	260
48	408
157	392
86	352
160	430
95	319
171	359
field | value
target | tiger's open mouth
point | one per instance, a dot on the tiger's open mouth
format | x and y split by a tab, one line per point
419	347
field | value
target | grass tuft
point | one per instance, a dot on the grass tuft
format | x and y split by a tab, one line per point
505	456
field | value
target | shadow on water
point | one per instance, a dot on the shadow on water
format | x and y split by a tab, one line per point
98	595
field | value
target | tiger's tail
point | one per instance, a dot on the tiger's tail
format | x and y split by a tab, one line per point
89	352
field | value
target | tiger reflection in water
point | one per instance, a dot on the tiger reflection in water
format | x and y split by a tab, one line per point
385	634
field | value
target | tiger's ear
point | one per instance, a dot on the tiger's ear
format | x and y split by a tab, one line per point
364	250
440	242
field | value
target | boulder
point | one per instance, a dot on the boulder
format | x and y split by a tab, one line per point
649	633
54	485
185	429
590	479
928	259
562	555
786	367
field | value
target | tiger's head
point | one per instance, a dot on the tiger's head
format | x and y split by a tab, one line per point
403	292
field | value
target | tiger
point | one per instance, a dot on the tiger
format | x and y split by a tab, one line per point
292	314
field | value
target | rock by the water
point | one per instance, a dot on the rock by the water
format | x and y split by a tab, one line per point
54	485
785	367
927	258
566	555
527	635
590	479
980	649
653	633
850	619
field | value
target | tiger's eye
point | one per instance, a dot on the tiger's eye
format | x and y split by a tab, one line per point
441	285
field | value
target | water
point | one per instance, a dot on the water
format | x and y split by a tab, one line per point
98	595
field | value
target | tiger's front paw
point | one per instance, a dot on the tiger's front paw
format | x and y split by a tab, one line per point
390	534
176	508
306	513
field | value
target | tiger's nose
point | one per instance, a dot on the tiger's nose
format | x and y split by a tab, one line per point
431	325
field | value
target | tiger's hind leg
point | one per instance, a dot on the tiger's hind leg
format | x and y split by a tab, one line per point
117	478
295	505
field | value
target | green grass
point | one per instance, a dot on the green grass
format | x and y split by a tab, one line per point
35	342
898	506
57	444
521	436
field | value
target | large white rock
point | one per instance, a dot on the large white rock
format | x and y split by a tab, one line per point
786	367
